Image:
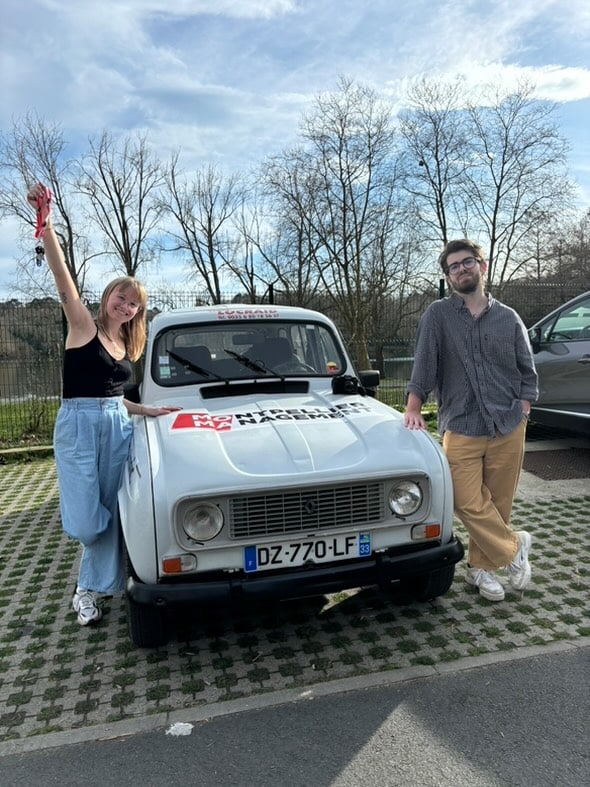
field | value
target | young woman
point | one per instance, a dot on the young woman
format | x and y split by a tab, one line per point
93	427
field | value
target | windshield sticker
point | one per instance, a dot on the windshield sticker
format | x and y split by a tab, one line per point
247	314
275	415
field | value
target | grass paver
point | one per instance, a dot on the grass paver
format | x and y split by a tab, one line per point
55	675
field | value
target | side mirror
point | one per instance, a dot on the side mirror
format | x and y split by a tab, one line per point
535	339
370	380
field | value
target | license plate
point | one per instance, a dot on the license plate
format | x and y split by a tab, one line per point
314	550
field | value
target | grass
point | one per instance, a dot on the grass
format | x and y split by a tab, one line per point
27	423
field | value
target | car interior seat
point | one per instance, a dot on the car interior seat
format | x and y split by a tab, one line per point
198	354
272	352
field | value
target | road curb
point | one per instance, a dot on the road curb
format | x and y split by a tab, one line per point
195	716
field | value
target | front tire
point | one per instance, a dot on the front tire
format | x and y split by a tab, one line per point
147	623
425	587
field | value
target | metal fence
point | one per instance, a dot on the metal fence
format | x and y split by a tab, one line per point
32	339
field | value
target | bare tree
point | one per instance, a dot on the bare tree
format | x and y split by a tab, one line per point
289	247
35	150
203	209
519	184
338	194
568	256
436	154
542	234
122	181
254	263
243	264
490	166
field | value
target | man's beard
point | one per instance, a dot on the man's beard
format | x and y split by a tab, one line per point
469	285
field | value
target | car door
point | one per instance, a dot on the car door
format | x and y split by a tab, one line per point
563	359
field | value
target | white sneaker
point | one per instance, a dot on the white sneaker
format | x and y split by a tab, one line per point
84	605
486	583
519	571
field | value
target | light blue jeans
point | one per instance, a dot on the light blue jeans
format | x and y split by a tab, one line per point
91	444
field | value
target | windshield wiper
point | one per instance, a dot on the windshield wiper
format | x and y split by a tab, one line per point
245	361
193	367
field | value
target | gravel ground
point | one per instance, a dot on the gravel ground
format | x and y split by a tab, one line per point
56	676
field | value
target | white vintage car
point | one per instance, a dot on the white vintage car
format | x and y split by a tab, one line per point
283	475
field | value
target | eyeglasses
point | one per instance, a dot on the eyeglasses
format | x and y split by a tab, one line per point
468	263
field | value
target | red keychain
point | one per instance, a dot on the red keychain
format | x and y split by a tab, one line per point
43	210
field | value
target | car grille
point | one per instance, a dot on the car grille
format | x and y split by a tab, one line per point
306	509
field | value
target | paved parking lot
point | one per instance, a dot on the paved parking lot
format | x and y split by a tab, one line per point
56	677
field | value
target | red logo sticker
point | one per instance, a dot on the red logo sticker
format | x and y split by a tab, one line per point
219	423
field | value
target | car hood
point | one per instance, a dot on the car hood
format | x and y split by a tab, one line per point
283	439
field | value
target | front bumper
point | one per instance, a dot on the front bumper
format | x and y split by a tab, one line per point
314	580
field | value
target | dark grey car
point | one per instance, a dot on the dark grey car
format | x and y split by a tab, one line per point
561	343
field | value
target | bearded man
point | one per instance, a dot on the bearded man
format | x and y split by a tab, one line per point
473	352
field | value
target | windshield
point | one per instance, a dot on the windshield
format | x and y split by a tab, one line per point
208	352
571	324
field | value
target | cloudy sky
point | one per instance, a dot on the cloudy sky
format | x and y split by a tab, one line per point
228	80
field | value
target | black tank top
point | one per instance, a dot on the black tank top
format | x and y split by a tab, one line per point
90	371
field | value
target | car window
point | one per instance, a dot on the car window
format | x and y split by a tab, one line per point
197	353
572	324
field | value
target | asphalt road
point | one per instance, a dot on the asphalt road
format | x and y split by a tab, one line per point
516	722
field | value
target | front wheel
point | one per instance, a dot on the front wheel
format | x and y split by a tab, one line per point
424	587
147	623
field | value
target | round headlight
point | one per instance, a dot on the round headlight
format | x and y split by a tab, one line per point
202	521
405	498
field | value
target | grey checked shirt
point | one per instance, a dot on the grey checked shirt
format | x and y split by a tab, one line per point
480	368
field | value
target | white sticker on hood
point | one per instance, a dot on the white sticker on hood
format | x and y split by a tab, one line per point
274	415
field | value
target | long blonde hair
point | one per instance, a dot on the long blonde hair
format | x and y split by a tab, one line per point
134	331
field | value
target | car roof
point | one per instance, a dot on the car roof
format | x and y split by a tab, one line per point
234	313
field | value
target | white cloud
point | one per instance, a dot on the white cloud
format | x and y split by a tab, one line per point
237	9
555	83
561	84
